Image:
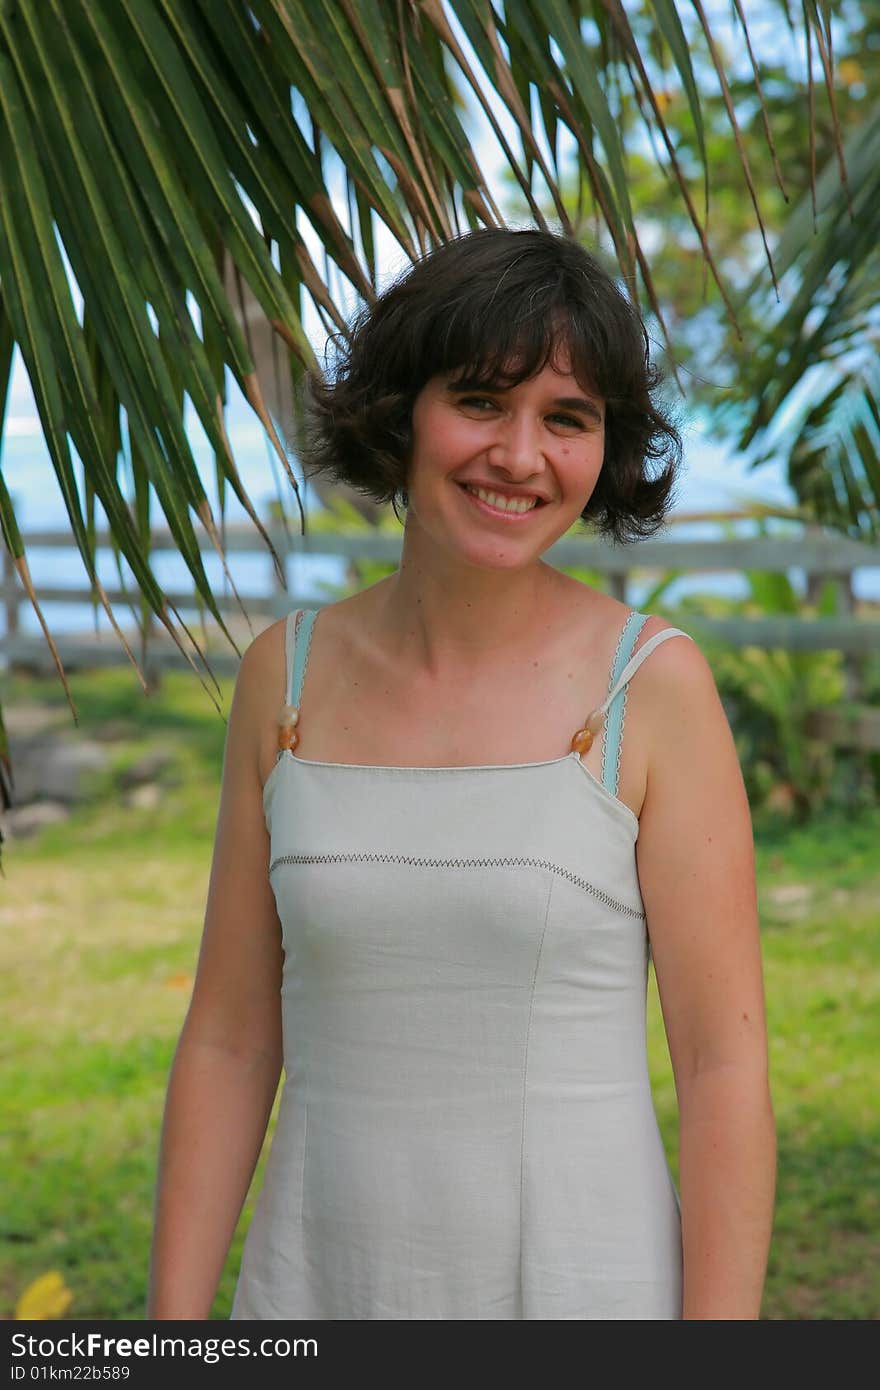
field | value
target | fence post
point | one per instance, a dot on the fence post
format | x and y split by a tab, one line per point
853	662
276	535
152	667
813	582
10	593
618	585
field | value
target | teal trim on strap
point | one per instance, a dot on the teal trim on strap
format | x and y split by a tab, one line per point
614	714
300	653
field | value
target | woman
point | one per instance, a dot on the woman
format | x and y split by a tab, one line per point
438	871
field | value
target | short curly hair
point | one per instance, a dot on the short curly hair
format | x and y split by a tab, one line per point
496	304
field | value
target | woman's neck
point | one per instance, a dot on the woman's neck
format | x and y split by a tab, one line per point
440	624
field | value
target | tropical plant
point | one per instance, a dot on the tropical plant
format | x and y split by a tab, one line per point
771	697
809	393
206	168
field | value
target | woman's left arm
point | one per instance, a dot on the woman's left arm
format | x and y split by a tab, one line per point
695	855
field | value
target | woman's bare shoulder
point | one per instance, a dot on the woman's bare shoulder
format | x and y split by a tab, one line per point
677	660
261	679
265	662
675	698
673	686
260	688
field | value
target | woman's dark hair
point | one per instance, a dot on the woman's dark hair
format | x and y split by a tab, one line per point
496	304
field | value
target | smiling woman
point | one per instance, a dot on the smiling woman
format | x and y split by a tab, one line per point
446	947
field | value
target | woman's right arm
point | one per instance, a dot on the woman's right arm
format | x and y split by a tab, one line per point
228	1060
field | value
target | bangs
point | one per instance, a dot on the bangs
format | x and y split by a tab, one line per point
497	344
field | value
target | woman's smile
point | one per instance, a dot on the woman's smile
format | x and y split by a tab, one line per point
510	511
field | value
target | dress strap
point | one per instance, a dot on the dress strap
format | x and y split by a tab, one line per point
623	670
297	638
613	710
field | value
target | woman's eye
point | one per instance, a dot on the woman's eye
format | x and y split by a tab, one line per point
568	420
477	401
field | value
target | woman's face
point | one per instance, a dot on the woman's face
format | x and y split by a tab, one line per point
542	439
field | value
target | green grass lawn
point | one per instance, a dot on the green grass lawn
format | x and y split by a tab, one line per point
99	929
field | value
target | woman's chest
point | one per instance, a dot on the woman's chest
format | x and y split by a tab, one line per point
517	719
527	712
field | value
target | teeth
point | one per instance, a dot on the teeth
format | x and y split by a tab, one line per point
505	504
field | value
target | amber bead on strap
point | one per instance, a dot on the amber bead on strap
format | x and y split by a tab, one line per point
582	741
288	718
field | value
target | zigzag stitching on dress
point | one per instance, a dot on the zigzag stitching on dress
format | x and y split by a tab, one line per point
518	862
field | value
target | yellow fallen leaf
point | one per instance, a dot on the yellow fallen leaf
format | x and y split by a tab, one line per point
178	982
46	1297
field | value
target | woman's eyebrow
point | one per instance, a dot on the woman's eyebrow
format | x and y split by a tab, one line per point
579	403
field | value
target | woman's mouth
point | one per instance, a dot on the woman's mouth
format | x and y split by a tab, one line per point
497	505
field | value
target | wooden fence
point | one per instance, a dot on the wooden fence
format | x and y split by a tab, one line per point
821	556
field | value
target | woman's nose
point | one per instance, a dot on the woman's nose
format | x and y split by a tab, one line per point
515	445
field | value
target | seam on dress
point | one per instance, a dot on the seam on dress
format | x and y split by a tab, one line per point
302	1166
423	862
522	1136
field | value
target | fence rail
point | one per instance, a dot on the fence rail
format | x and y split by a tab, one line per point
815	551
818	555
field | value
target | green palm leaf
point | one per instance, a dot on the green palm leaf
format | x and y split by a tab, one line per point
811	385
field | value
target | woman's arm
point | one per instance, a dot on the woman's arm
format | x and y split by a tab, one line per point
695	855
228	1060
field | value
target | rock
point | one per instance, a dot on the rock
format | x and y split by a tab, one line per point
146	769
788	893
67	766
22	822
115	731
146	798
29	755
54	761
47	767
22	722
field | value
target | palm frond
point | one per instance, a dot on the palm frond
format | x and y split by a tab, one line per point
811	384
